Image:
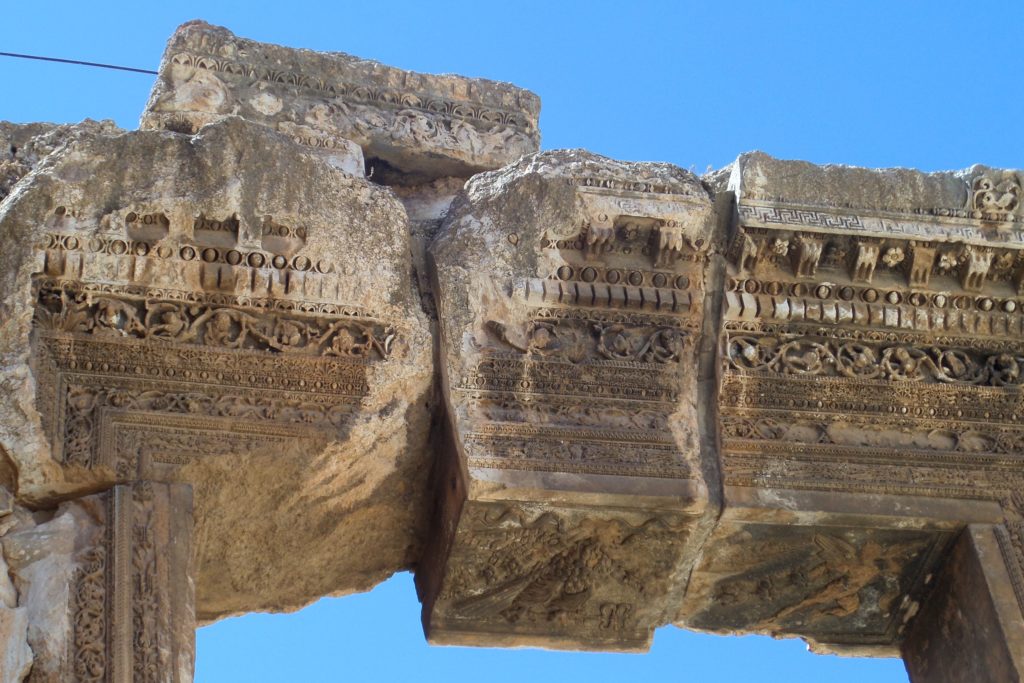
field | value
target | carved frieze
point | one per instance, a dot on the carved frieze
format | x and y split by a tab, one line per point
869	353
236	315
191	367
64	310
572	376
559	577
417	125
907	338
131	610
834	585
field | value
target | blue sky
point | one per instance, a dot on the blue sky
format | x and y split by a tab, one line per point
933	85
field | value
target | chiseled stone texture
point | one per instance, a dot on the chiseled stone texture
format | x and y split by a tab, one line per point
23	145
15	653
105	585
411	127
783	399
972	629
228	310
570	295
869	404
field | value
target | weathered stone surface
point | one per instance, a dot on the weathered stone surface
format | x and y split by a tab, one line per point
870	393
845	572
239	316
105	584
15	653
412	127
570	298
972	630
23	145
783	399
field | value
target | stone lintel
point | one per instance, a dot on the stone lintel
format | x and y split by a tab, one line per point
966	228
571	354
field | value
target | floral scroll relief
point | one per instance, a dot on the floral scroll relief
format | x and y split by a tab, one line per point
582	341
857	360
212	325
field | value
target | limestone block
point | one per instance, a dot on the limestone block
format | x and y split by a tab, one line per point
570	294
411	127
105	586
231	311
973	629
23	145
15	654
869	400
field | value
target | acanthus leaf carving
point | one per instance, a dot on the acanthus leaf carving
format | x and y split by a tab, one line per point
797	355
211	325
579	341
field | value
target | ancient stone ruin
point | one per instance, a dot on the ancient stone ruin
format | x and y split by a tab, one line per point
320	320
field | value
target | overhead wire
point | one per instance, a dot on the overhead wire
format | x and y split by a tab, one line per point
78	62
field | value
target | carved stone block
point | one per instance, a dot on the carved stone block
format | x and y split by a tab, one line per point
237	316
784	399
108	586
973	629
411	127
557	576
873	411
24	145
570	355
846	572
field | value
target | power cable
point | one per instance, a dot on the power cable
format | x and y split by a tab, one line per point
75	61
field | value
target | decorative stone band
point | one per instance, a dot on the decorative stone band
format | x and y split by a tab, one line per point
132	604
259	273
864	360
364	93
587	341
202	46
971	266
756	302
1010	536
605	295
974	222
64	310
406	123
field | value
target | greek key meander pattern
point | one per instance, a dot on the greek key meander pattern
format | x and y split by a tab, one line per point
990	200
